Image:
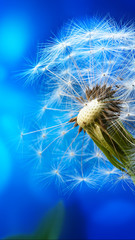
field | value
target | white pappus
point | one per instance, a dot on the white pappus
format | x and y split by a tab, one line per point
87	77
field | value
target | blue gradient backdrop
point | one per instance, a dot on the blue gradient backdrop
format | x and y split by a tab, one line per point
107	214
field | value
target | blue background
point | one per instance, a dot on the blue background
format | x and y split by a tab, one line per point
90	214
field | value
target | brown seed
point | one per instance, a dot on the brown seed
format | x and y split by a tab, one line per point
74	119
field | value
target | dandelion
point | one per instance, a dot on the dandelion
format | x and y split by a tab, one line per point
88	87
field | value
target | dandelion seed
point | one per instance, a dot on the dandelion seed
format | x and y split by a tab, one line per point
21	135
89	77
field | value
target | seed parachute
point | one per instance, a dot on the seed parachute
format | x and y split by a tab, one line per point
87	78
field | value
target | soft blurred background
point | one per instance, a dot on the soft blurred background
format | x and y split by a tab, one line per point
89	214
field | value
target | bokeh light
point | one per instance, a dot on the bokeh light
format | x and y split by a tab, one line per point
14	38
116	212
3	73
5	165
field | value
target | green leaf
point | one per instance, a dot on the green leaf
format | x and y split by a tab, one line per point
50	227
20	238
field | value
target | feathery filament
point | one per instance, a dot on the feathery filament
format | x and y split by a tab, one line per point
88	80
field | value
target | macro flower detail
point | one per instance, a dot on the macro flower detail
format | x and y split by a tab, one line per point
87	77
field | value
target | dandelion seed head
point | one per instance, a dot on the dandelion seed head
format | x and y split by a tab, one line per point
88	84
89	112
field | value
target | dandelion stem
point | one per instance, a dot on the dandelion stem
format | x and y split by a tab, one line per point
115	147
